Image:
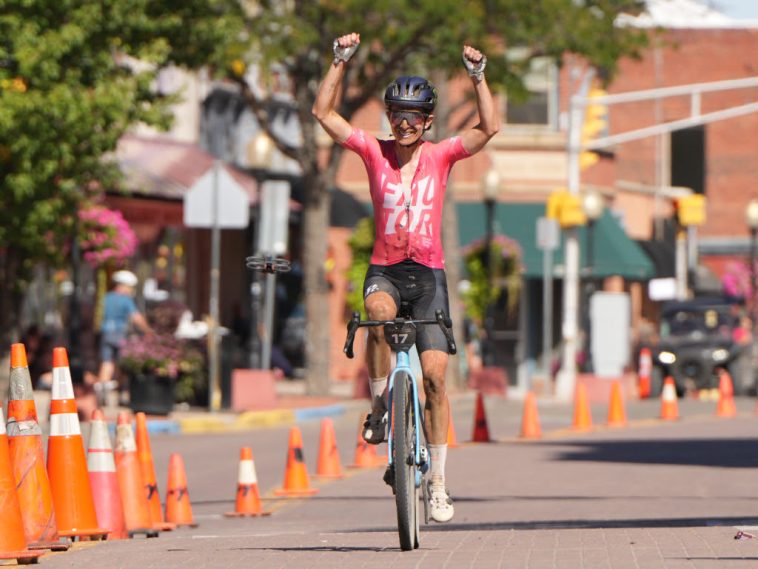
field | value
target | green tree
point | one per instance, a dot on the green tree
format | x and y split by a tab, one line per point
399	36
69	88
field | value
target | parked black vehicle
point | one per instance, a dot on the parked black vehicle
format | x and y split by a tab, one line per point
697	338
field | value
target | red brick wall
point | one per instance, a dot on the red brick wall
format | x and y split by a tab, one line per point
695	56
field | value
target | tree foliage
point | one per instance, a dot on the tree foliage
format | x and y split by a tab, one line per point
74	76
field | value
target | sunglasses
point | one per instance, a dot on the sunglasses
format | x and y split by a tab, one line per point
414	119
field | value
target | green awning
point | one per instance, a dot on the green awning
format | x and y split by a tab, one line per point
615	254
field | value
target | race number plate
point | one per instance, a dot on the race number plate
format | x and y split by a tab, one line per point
400	335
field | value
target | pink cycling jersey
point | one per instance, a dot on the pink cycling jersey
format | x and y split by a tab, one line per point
408	223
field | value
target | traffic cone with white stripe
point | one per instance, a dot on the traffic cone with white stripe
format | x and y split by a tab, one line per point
28	458
66	460
12	540
669	404
145	455
130	484
248	501
103	480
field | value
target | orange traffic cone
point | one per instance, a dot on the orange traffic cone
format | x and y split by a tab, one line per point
328	465
12	539
147	468
481	430
248	497
530	421
130	484
452	440
296	482
28	460
582	413
644	373
66	459
616	412
365	454
726	406
103	479
178	507
669	404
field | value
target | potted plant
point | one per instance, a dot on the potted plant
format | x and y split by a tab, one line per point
162	369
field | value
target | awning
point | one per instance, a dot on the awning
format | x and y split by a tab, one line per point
159	167
615	254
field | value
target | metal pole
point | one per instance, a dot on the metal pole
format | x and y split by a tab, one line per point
589	291
489	353
547	310
214	390
254	344
681	263
268	320
564	385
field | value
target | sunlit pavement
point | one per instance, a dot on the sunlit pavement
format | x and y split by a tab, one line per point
652	494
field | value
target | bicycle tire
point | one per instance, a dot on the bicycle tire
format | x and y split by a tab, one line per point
403	462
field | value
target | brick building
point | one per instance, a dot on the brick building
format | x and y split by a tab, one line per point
689	44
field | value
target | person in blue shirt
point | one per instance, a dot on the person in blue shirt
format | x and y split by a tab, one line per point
119	313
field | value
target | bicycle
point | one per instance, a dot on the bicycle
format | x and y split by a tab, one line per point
407	456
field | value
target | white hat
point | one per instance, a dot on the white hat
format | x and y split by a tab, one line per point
127	278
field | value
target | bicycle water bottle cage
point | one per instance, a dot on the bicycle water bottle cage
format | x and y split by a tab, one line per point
400	335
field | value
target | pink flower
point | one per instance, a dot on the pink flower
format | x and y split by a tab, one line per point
106	236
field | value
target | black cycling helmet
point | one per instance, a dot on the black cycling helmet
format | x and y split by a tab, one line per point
411	93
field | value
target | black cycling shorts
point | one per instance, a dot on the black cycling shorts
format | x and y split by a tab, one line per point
421	289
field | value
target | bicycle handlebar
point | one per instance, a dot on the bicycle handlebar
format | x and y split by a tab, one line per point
441	319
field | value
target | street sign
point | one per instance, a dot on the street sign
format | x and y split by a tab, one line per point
548	234
232	205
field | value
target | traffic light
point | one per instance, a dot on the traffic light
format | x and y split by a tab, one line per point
566	208
690	210
595	123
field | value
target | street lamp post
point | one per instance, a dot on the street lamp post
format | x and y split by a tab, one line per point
751	216
490	189
593	206
259	152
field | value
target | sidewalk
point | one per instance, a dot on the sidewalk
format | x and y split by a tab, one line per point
292	405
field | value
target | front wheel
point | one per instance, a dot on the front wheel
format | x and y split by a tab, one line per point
404	461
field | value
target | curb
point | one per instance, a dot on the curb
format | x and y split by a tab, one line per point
250	420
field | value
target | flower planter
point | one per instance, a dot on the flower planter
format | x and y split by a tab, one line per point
151	394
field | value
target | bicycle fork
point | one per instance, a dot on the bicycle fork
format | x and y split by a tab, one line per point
421	456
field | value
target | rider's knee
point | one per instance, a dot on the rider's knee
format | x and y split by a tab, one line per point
380	306
434	386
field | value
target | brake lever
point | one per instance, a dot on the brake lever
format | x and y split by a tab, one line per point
446	324
352	326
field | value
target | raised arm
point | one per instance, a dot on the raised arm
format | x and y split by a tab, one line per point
475	138
326	99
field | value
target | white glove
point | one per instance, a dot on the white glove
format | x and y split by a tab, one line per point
475	70
343	53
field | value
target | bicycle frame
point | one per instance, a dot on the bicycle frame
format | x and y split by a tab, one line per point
404	364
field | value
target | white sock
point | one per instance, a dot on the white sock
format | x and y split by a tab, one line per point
377	387
438	456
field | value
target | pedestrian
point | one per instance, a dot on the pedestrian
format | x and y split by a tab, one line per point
119	314
407	180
